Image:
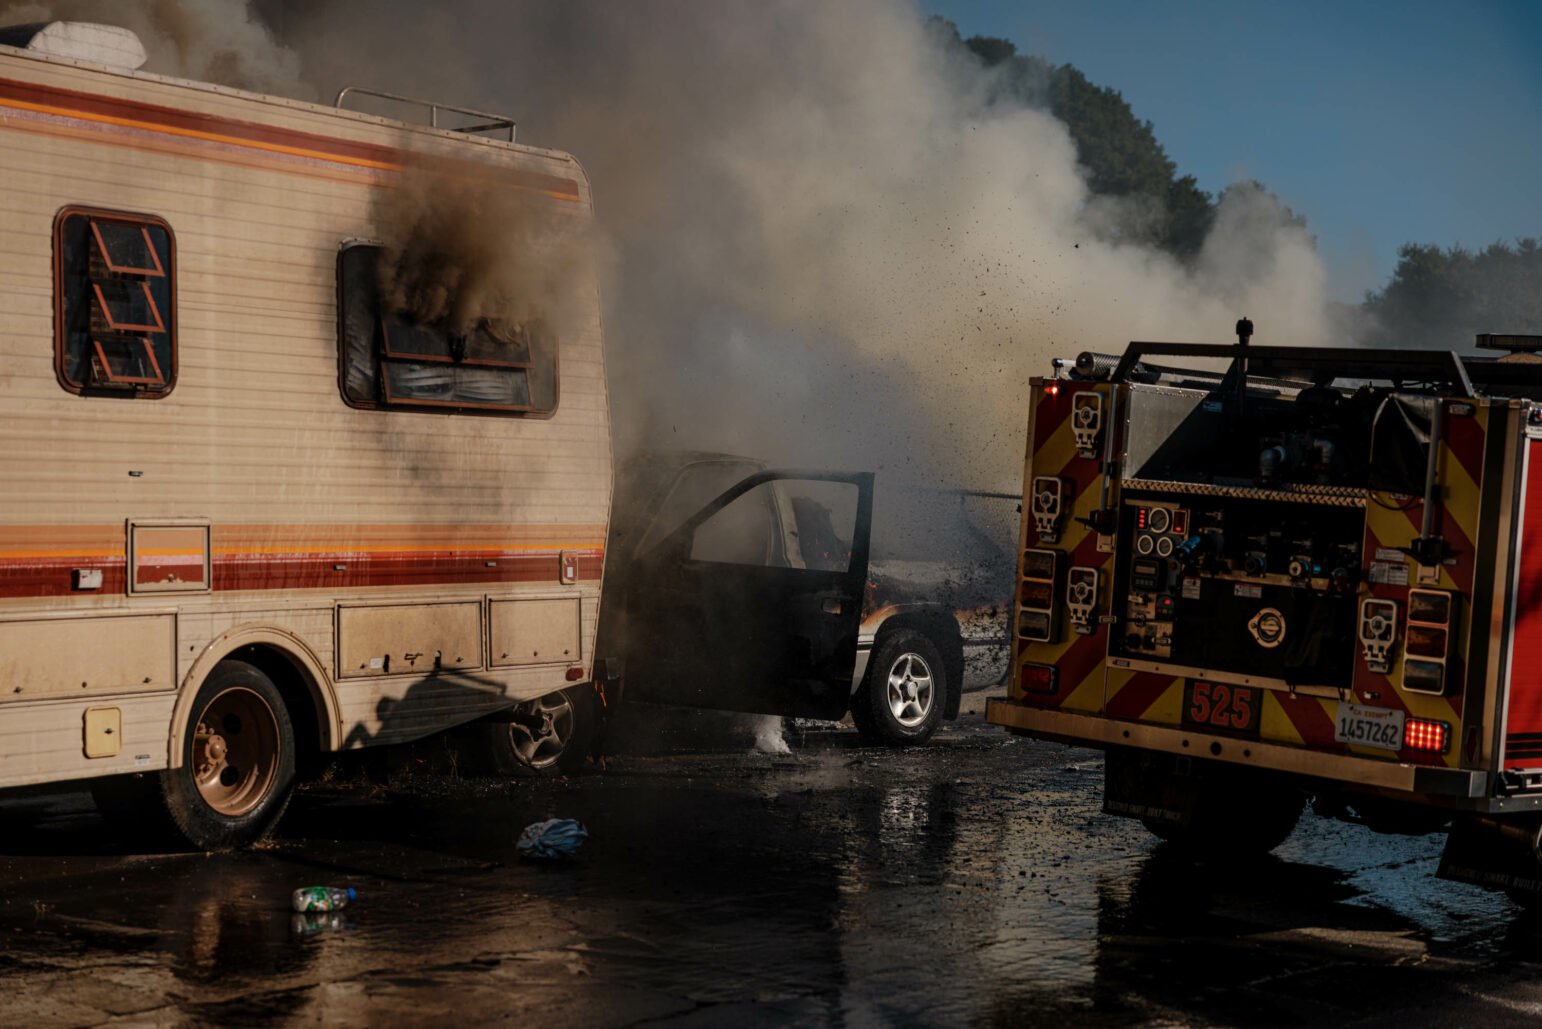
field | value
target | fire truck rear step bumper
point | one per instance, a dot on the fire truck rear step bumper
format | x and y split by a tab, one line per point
1097	731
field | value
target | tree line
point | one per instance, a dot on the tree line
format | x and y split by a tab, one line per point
1436	297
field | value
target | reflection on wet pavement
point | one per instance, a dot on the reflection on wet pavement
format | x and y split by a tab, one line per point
974	880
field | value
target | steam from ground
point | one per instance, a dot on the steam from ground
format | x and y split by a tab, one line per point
830	247
219	41
768	735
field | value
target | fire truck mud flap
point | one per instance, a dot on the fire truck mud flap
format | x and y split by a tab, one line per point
1499	853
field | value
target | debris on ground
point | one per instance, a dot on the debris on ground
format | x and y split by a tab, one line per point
321	898
552	840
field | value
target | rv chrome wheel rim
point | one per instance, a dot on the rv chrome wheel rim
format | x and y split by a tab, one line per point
910	690
541	730
235	751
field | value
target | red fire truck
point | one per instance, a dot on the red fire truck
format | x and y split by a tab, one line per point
1304	574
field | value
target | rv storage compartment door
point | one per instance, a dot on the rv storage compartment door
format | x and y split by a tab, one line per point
534	632
407	639
47	658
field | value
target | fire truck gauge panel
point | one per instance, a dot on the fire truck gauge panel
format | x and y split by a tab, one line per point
1239	583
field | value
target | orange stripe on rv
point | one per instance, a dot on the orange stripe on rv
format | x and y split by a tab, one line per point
223	134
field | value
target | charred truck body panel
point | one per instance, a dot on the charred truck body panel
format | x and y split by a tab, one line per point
1313	574
247	514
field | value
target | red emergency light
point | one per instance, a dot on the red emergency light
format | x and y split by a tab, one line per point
1424	734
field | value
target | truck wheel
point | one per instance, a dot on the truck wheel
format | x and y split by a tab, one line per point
238	761
1234	821
901	698
548	736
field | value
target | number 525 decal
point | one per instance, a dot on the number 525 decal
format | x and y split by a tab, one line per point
1219	706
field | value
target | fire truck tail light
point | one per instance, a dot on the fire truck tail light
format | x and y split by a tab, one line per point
1423	734
1039	564
1038	595
1034	625
1039	678
1426	641
1424	676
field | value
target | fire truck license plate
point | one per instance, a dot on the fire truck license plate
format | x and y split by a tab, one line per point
1369	726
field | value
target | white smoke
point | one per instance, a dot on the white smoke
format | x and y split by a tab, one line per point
221	41
830	249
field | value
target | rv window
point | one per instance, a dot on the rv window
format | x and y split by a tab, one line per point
387	361
114	295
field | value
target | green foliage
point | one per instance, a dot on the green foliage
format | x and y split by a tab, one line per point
1443	298
1189	215
1435	298
1119	152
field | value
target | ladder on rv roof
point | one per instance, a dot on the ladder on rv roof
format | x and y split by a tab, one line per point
491	122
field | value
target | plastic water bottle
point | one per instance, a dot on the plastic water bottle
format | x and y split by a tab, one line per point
322	898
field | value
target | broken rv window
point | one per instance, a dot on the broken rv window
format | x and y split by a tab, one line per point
114	284
495	367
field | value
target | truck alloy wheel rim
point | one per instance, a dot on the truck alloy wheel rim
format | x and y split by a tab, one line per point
235	751
542	730
910	690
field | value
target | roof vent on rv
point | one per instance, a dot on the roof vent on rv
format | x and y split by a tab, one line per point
82	40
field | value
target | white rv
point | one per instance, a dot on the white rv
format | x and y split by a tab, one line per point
249	513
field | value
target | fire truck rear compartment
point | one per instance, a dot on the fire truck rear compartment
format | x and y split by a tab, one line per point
1334	550
1228	584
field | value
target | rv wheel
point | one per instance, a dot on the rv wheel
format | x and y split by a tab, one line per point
548	736
238	761
902	696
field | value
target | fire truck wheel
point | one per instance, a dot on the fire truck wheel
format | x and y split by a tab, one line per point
901	698
238	761
1235	819
548	736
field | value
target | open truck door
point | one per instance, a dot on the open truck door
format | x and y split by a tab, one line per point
753	603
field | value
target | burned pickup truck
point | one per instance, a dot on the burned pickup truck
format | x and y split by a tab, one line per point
734	587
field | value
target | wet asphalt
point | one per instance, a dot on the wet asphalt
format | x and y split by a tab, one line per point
970	881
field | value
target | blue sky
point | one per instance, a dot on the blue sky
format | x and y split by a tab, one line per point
1383	123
